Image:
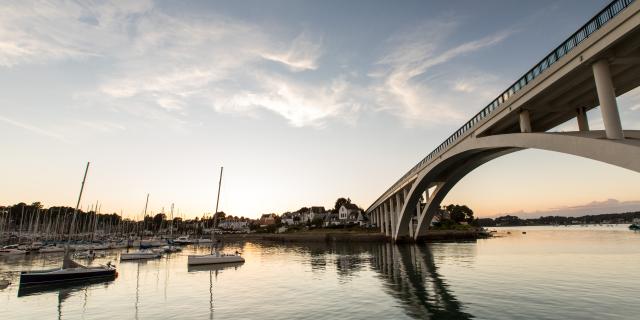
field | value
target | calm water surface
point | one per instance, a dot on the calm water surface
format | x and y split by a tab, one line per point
547	273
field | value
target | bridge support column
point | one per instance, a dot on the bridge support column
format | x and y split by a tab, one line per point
583	122
383	225
525	121
387	219
607	99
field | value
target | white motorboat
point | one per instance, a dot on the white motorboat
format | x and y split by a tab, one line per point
183	240
139	255
171	249
214	258
11	251
90	254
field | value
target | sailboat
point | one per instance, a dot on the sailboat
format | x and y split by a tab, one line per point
171	248
140	254
215	256
71	270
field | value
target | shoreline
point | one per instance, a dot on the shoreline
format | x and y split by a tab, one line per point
332	236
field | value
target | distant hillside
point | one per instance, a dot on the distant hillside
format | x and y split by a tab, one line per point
607	218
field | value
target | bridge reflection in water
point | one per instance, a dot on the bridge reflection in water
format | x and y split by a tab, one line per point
405	277
412	278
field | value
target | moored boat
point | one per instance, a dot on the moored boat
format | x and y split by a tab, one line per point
214	258
11	251
73	272
183	240
51	249
70	271
139	255
635	227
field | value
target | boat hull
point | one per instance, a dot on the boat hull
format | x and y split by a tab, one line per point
138	256
32	278
213	259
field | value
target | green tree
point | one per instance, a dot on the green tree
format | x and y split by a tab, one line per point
340	202
459	213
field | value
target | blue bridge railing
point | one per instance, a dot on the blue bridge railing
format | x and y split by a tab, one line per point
599	20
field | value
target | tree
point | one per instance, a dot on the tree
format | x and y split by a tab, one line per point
459	213
340	202
220	215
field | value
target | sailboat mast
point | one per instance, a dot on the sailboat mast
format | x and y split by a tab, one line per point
215	214
171	225
75	211
218	198
144	217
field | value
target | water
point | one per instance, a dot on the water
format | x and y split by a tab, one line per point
548	273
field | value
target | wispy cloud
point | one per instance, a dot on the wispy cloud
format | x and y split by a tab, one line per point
160	64
33	129
302	55
408	86
300	103
171	62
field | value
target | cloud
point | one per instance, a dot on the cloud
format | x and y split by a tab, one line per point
159	65
410	88
33	129
169	63
594	207
302	55
300	103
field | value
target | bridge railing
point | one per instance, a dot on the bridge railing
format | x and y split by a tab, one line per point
599	20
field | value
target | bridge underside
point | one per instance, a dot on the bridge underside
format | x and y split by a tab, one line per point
408	213
594	66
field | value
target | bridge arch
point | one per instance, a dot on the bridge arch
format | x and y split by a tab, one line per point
446	172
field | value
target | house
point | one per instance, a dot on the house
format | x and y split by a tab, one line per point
287	218
348	212
235	225
363	219
317	213
331	219
267	219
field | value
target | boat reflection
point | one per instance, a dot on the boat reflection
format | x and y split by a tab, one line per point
412	278
215	267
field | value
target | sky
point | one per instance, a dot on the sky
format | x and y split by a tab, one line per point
302	102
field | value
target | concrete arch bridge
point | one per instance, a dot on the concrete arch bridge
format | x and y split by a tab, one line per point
594	66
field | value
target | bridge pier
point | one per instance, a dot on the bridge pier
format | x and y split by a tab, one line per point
583	122
387	219
607	99
525	121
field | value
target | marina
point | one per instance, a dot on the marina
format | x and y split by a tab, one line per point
484	279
